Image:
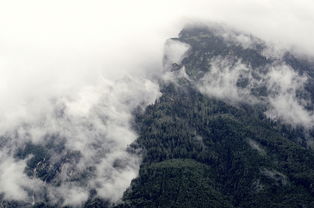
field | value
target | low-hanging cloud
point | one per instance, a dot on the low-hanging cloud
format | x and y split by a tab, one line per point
222	81
95	123
64	73
280	81
283	83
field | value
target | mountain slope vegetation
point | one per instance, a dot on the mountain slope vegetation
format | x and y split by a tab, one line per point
203	151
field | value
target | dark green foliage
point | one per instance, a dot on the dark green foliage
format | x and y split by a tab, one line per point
207	45
40	164
175	183
204	144
203	152
96	203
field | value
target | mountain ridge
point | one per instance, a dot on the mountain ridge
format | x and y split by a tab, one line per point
254	161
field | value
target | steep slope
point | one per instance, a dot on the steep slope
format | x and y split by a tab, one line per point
224	149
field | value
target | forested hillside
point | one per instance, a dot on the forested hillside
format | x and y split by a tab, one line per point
209	151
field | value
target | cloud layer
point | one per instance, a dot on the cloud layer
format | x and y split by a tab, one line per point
89	133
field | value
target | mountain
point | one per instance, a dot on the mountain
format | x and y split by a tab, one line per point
226	145
233	128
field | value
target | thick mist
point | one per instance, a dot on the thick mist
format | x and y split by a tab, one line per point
73	72
54	48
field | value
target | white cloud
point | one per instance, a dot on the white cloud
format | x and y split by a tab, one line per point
75	195
97	123
221	81
13	181
175	51
283	83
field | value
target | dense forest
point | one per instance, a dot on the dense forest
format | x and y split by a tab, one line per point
201	151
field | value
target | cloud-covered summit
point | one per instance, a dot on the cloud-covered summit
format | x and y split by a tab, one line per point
240	68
